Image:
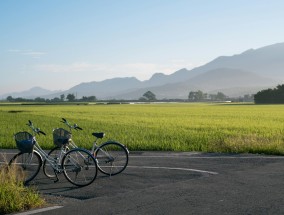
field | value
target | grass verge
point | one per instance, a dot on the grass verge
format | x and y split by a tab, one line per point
14	196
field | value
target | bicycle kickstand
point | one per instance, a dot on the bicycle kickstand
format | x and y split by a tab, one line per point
56	175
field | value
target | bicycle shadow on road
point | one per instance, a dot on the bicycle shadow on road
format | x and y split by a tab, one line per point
63	188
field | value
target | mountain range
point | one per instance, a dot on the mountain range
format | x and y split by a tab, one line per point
235	76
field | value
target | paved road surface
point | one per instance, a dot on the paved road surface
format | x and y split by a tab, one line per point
176	183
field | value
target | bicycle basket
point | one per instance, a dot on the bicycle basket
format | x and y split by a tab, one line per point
24	141
61	137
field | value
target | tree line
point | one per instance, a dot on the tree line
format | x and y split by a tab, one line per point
69	98
196	96
193	96
199	96
148	96
270	96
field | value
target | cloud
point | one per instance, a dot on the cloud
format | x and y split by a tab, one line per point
69	68
31	53
14	50
142	71
34	54
146	70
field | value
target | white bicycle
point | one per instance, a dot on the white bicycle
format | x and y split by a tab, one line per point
78	165
111	156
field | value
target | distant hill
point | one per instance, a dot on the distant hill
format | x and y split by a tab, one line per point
267	61
31	93
110	88
159	79
236	75
213	81
106	87
228	78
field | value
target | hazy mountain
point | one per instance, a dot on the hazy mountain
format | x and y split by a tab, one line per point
267	61
31	93
106	87
213	81
228	78
236	75
159	79
101	89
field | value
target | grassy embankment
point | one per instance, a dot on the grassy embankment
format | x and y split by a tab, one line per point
229	128
14	196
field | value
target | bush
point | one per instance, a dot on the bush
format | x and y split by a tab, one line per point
14	196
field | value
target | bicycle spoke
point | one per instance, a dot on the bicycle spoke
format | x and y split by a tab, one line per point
112	158
79	167
27	165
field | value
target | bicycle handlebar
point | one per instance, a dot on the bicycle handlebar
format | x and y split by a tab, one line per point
35	130
75	126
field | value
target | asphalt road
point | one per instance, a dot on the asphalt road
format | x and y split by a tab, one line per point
175	183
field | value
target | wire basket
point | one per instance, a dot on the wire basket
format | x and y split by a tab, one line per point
61	137
24	141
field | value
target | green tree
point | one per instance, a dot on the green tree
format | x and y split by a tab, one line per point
221	96
89	99
196	96
150	96
270	96
38	99
92	98
10	98
70	97
56	99
62	97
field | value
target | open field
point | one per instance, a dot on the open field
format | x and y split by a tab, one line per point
235	128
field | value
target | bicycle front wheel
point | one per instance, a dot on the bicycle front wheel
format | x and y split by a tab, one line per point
79	167
26	165
112	157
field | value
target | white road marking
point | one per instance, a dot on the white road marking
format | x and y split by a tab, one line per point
207	157
9	153
39	210
192	155
173	168
169	168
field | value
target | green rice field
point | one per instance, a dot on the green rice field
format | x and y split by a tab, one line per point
206	127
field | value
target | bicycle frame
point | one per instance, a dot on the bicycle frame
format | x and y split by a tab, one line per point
104	156
44	156
40	151
95	147
70	163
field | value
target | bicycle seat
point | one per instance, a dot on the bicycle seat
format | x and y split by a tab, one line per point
98	135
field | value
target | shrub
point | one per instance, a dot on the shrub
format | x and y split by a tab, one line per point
14	196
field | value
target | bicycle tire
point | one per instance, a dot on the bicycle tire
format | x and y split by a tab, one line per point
112	157
79	167
54	153
27	165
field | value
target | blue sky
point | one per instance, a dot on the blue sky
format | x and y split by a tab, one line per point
56	44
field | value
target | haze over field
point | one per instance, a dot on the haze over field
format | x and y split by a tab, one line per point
59	45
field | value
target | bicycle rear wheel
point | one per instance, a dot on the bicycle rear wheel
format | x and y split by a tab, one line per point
79	167
112	157
26	165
